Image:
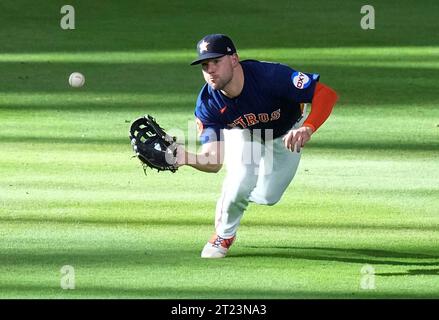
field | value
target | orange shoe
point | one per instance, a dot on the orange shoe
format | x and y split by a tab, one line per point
217	247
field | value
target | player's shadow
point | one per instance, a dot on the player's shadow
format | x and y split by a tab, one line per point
411	272
347	255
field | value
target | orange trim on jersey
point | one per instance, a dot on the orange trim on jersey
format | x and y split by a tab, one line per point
223	109
322	104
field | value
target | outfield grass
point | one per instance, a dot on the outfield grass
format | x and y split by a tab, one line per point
366	192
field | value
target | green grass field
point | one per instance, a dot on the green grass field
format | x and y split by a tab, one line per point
366	192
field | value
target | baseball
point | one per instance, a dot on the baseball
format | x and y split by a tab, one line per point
76	80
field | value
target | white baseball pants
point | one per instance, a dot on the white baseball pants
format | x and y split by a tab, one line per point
255	173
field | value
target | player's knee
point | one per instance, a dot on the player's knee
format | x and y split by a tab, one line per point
241	194
268	199
271	201
240	187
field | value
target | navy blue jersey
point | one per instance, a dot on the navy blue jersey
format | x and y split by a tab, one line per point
270	99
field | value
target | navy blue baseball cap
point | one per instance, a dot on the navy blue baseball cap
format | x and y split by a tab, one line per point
214	46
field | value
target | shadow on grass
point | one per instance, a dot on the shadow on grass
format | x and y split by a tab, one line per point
100	256
115	105
158	219
368	252
94	278
376	145
143	291
372	146
411	272
143	222
347	255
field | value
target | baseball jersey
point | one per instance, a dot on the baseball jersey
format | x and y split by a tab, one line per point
271	98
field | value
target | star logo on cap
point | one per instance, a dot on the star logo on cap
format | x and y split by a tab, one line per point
203	46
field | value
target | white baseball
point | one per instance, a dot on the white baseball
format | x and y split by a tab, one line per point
76	79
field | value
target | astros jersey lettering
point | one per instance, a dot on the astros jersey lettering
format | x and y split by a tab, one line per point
271	98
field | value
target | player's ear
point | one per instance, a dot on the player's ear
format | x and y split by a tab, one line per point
235	59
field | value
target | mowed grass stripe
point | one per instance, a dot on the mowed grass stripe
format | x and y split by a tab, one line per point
125	268
356	55
48	99
365	193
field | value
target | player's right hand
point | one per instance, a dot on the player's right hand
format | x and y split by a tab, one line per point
296	139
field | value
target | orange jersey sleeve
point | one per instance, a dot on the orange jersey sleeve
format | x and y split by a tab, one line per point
321	107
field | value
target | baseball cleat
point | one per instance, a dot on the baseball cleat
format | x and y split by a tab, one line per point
217	247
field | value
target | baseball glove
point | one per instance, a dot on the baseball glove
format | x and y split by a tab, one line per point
152	145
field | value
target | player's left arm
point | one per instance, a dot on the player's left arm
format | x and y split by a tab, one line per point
323	102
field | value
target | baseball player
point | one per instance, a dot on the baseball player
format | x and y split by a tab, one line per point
254	117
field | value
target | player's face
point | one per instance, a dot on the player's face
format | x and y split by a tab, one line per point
218	72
